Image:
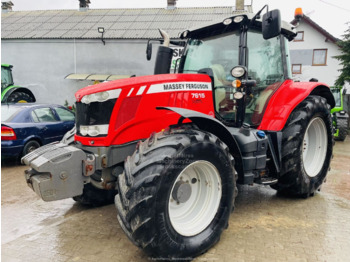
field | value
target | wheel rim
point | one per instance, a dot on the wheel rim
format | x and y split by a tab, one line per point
195	198
315	146
31	149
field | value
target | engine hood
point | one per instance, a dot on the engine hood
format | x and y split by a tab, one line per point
140	81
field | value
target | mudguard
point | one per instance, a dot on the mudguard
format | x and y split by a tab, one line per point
288	97
214	126
13	89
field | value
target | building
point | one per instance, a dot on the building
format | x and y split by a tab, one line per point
312	53
46	46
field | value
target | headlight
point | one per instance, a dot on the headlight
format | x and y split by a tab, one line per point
86	99
184	34
238	19
238	95
101	96
227	21
84	130
94	130
238	71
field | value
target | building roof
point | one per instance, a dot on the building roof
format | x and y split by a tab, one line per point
318	28
118	23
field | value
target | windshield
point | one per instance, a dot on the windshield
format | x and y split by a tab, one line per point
336	94
220	53
211	51
6	78
8	112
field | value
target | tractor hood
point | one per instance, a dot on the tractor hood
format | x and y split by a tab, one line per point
125	110
184	82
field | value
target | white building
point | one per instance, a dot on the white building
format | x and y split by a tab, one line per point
312	53
48	45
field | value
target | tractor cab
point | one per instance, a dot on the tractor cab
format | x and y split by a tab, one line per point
246	64
6	76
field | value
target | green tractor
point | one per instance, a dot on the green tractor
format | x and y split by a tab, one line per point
340	117
11	93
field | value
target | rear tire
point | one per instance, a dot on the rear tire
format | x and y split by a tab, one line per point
20	97
307	146
159	204
342	125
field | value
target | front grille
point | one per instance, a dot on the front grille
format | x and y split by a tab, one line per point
95	113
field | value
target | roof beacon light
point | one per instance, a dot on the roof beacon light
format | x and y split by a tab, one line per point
298	14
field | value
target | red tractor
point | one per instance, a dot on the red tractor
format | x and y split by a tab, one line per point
169	149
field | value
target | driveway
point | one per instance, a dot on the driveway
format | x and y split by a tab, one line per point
264	226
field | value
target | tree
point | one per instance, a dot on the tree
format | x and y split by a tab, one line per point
344	59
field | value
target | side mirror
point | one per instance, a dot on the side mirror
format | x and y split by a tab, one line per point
271	24
149	51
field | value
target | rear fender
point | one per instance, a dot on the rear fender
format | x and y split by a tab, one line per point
33	137
212	125
288	97
14	89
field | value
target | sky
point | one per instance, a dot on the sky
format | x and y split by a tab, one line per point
332	15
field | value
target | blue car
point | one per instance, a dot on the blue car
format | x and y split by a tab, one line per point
25	127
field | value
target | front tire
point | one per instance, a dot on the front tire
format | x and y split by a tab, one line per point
307	146
95	197
176	194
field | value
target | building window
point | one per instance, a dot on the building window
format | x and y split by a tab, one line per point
319	57
299	36
296	68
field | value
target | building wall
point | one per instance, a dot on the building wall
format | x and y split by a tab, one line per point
302	52
42	65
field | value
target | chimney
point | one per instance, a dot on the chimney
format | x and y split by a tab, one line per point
84	5
171	4
6	6
239	5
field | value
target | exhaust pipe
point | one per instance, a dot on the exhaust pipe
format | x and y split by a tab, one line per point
164	55
165	36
